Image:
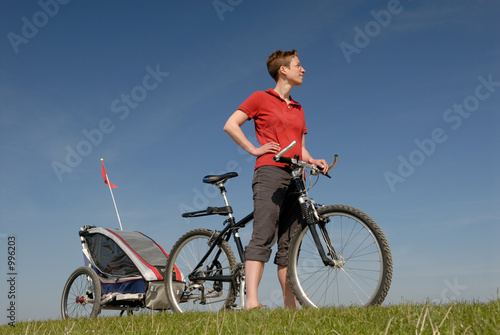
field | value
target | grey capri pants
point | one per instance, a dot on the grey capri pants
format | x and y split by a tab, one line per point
276	214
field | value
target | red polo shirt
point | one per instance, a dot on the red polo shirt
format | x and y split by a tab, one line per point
275	121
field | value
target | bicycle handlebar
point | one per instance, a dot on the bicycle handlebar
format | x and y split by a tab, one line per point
292	161
333	163
284	151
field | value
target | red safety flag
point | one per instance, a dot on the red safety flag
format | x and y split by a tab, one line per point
105	176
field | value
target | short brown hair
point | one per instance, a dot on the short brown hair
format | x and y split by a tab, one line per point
278	59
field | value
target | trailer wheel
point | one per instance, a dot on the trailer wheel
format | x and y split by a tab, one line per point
82	294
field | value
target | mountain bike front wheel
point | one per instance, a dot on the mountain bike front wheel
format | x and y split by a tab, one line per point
196	293
362	272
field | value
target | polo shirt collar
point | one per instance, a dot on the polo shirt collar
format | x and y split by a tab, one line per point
275	94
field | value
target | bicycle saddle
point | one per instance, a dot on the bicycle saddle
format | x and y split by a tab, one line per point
214	179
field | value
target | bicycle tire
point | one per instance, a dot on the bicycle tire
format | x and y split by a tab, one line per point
81	294
365	277
185	255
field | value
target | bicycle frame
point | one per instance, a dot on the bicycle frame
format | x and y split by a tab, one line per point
231	229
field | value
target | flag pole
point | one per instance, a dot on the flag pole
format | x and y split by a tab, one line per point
112	196
114	203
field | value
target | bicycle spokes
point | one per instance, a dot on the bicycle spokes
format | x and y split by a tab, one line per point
359	266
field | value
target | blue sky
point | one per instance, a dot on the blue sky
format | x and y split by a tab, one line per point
407	93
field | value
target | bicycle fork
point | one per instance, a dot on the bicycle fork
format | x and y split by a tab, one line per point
312	218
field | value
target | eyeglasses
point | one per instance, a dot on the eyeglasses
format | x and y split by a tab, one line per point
298	66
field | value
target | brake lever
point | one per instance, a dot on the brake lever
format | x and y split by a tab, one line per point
316	170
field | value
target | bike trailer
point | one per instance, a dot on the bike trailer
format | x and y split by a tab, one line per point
129	264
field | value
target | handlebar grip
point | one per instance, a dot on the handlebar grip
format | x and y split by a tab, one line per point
284	151
333	163
286	160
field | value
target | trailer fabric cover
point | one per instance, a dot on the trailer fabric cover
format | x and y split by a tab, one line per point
126	253
132	285
109	257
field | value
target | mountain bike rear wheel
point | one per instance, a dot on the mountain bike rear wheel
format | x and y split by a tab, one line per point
199	294
363	272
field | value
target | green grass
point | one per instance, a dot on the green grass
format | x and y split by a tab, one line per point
456	318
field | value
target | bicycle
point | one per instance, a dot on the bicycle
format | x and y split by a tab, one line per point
338	255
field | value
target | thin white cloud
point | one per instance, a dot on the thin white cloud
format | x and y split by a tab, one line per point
448	15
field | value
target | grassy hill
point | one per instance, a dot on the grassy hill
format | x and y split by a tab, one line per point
456	318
